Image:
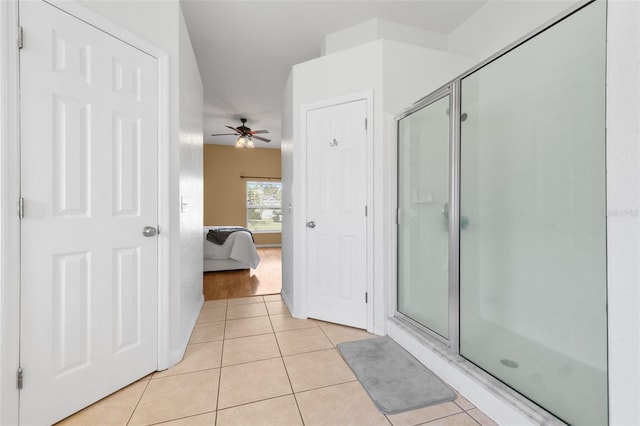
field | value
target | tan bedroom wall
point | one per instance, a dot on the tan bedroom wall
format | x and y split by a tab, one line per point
224	189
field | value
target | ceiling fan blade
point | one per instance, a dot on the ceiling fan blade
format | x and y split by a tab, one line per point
261	139
233	128
258	132
225	134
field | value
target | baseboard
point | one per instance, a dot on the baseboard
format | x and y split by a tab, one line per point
268	245
178	355
287	301
380	331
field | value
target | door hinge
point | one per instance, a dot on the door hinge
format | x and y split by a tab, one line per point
366	123
366	211
20	38
19	378
21	207
366	297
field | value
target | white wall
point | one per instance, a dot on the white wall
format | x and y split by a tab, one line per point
499	23
398	74
411	72
190	138
380	29
343	73
623	207
286	152
351	37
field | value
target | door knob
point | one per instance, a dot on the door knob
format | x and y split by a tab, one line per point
149	231
311	224
464	220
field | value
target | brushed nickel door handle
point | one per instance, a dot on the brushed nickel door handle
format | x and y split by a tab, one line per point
149	231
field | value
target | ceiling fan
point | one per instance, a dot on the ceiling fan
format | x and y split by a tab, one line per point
245	135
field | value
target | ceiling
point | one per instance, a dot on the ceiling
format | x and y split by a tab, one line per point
245	49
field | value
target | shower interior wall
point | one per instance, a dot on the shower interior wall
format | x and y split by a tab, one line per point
509	22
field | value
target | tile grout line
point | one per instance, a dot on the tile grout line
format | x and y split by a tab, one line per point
293	392
251	362
460	406
208	322
330	386
224	335
474	419
186	372
251	402
251	335
180	418
251	316
139	400
263	399
248	362
435	418
327	386
445	417
248	302
313	351
329	339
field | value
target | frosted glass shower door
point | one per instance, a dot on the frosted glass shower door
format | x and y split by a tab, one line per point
423	196
533	266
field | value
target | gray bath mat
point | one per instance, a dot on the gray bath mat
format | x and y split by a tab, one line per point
395	380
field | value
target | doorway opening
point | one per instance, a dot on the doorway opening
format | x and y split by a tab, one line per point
242	190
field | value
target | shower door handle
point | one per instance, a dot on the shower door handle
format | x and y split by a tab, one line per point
464	220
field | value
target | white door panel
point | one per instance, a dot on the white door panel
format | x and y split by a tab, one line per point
336	200
89	179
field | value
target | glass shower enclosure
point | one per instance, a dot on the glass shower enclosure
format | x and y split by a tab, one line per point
423	215
502	217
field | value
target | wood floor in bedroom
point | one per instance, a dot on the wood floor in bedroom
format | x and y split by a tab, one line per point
266	279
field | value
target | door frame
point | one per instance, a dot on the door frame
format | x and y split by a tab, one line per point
300	237
10	191
451	90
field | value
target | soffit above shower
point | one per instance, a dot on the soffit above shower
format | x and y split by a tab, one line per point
245	49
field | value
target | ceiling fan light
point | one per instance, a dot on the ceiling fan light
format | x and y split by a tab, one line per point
241	142
250	144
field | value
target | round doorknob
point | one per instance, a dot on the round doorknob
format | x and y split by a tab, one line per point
311	224
149	231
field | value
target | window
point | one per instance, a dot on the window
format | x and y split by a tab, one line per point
264	206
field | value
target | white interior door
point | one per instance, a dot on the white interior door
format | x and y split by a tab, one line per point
89	181
336	213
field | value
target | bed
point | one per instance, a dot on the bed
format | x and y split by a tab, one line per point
237	252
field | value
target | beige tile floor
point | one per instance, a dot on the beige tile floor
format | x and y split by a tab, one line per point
250	363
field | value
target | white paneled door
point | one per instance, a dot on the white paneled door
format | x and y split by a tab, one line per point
89	180
336	213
